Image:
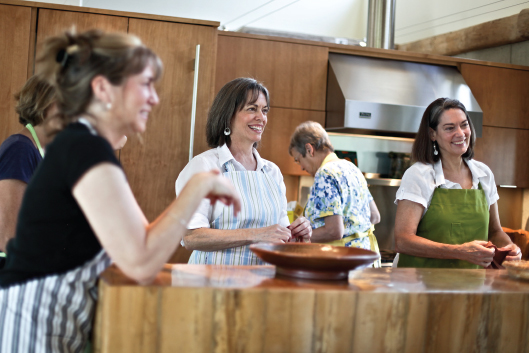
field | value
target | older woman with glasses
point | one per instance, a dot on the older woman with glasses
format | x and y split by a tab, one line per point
340	207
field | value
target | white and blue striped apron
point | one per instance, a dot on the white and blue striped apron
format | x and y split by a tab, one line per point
261	205
53	313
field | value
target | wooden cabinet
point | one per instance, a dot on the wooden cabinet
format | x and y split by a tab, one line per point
54	22
295	74
15	33
506	152
153	165
276	138
502	94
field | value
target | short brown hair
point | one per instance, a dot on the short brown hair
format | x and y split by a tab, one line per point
231	99
71	61
310	132
422	150
34	101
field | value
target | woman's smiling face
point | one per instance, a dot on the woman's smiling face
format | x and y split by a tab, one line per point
453	133
249	123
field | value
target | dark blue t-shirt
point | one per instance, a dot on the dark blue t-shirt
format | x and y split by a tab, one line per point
18	158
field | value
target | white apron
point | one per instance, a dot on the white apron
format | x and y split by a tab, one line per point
261	205
52	313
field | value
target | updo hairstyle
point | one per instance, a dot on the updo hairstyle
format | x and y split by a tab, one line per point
71	61
313	133
34	100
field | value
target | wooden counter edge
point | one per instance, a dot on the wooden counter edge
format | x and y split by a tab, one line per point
378	53
43	5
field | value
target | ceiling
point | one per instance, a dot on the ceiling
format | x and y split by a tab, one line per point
415	19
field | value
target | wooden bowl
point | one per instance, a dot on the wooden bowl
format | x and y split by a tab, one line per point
313	261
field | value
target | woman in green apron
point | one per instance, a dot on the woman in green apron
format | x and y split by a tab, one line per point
236	122
447	202
340	207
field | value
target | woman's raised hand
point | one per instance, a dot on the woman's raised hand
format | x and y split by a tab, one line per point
476	253
301	229
218	188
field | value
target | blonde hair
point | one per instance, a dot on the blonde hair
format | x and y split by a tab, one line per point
34	100
310	132
71	61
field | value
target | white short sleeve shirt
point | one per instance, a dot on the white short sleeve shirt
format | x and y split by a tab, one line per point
216	158
420	180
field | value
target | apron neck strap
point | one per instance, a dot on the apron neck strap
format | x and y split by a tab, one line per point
35	138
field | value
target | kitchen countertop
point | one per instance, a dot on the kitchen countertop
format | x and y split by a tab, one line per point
199	308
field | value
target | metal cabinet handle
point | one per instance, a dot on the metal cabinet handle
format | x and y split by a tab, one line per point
194	103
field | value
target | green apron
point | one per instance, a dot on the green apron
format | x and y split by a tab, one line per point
455	216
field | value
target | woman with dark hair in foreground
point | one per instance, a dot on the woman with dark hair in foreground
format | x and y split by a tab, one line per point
447	202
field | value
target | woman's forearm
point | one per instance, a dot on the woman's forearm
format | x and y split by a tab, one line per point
11	194
499	238
411	244
207	239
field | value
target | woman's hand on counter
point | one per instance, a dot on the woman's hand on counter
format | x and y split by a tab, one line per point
301	229
476	253
515	254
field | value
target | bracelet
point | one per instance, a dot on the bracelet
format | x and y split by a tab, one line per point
176	218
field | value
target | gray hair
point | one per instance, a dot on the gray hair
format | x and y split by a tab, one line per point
310	132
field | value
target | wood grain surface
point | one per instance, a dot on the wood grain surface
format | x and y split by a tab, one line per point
246	309
54	22
295	74
502	31
501	93
506	152
152	165
15	31
378	53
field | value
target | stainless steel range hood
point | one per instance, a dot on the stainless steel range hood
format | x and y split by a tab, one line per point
388	97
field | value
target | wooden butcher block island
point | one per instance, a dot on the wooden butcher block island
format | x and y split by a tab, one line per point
200	308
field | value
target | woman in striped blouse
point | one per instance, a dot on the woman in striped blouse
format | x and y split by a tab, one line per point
236	122
78	213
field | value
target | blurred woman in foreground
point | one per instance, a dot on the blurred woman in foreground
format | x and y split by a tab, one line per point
78	213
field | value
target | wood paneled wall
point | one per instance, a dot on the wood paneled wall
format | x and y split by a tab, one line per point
15	34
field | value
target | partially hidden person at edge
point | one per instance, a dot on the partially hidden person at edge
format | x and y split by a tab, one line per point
447	207
20	153
78	213
340	207
236	122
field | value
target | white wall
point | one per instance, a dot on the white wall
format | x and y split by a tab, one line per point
415	19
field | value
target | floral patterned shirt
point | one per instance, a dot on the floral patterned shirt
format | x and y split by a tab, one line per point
339	189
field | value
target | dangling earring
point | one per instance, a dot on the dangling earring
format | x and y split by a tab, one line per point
108	106
435	150
227	131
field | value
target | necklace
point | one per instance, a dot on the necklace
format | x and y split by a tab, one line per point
35	138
